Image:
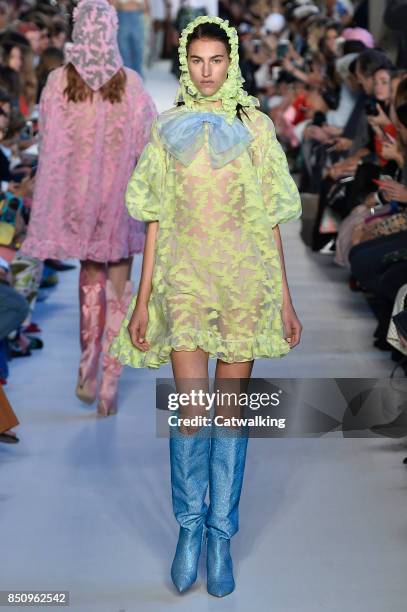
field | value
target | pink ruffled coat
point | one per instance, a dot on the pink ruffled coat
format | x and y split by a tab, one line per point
88	151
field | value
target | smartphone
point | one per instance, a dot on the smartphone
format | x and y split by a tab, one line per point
257	44
282	48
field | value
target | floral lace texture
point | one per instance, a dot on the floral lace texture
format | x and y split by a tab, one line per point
217	281
95	51
88	151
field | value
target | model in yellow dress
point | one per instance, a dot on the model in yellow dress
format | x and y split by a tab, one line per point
214	185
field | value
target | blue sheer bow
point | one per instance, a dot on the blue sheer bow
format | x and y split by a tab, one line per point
184	135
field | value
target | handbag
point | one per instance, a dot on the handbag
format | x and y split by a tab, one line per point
7	233
389	225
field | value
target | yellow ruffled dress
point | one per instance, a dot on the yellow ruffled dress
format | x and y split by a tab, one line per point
217	280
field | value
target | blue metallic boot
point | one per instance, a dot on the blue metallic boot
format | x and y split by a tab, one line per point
226	469
189	455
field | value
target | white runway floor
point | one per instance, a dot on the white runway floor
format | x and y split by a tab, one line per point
85	503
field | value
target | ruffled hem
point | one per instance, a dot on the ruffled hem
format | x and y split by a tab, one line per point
264	346
49	249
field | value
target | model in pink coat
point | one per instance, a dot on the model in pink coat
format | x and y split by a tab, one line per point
95	119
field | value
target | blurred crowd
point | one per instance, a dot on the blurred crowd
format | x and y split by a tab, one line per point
32	40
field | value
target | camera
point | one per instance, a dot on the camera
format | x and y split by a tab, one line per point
319	119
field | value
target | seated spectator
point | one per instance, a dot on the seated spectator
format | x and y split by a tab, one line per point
379	264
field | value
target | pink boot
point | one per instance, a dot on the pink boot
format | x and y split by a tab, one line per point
115	313
92	302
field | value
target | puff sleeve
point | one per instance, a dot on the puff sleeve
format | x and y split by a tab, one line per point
144	193
280	192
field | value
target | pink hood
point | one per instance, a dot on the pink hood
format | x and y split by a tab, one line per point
95	51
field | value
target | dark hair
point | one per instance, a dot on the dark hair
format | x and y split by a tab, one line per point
331	24
39	19
214	32
371	60
7	48
400	102
15	39
50	59
353	46
58	26
5	96
10	81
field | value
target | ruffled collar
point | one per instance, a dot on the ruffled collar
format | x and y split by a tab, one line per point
231	93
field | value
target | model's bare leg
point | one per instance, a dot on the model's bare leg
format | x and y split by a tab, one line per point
231	378
119	274
92	270
190	369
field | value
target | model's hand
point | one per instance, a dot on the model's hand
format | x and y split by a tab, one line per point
292	325
138	327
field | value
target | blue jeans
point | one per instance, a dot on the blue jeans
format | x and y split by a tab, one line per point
131	39
13	310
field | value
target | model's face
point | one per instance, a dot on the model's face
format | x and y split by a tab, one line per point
15	60
381	85
208	63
